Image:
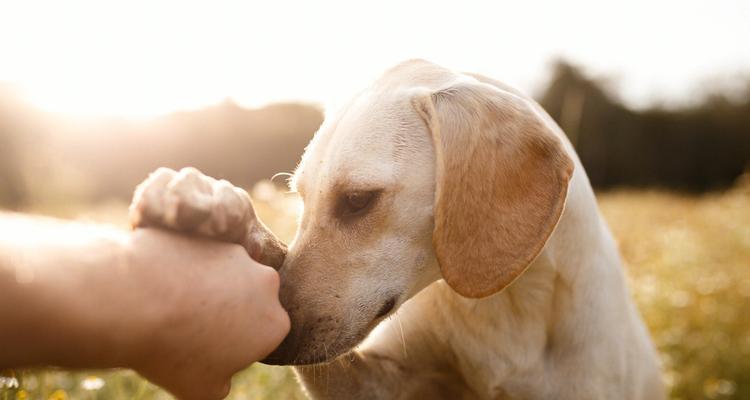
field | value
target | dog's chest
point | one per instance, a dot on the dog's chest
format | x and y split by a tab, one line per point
497	365
499	342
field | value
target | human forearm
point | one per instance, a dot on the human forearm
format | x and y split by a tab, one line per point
50	308
186	313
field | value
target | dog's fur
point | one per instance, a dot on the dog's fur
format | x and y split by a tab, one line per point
479	251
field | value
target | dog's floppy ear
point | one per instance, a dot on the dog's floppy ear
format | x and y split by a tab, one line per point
502	179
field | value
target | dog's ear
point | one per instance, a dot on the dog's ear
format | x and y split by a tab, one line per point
502	179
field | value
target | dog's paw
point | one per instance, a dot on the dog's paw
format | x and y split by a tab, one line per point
189	201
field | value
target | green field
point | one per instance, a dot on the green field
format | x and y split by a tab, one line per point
688	260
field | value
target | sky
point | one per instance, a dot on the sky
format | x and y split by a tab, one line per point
143	58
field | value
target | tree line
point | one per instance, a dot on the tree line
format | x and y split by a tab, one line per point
700	147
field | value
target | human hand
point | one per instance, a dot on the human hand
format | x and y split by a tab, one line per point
189	201
205	310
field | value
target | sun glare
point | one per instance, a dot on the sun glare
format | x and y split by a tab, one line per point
142	58
90	99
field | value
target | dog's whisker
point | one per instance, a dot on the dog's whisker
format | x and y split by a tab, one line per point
400	330
403	338
328	376
287	174
341	362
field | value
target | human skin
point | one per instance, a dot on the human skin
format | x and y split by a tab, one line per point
186	313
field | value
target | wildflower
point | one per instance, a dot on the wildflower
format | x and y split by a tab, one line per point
714	387
92	383
58	394
9	382
22	395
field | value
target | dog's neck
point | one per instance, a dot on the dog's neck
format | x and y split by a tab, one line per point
539	317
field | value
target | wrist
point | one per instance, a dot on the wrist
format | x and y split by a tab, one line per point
145	311
132	315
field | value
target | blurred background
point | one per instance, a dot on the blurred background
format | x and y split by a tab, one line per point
655	96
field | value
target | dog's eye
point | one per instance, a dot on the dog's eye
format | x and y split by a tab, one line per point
357	202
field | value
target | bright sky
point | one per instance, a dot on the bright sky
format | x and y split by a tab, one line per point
150	57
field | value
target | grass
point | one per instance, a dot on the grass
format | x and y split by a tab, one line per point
689	265
688	261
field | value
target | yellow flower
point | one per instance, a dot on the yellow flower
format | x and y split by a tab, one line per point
22	395
58	394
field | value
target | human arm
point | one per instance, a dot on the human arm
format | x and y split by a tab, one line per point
184	312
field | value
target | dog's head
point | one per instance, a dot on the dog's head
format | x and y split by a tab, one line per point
426	174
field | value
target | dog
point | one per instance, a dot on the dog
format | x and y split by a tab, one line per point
449	211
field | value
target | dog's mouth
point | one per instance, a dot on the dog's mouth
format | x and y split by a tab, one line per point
383	312
303	347
386	307
285	355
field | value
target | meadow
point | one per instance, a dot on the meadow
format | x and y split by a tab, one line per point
687	260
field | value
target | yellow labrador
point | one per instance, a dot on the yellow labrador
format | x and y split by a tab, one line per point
453	210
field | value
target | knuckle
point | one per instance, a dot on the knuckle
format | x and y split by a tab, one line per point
191	180
146	207
188	199
135	215
190	171
246	203
163	172
229	203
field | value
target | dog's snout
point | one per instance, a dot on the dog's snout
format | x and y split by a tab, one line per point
306	344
